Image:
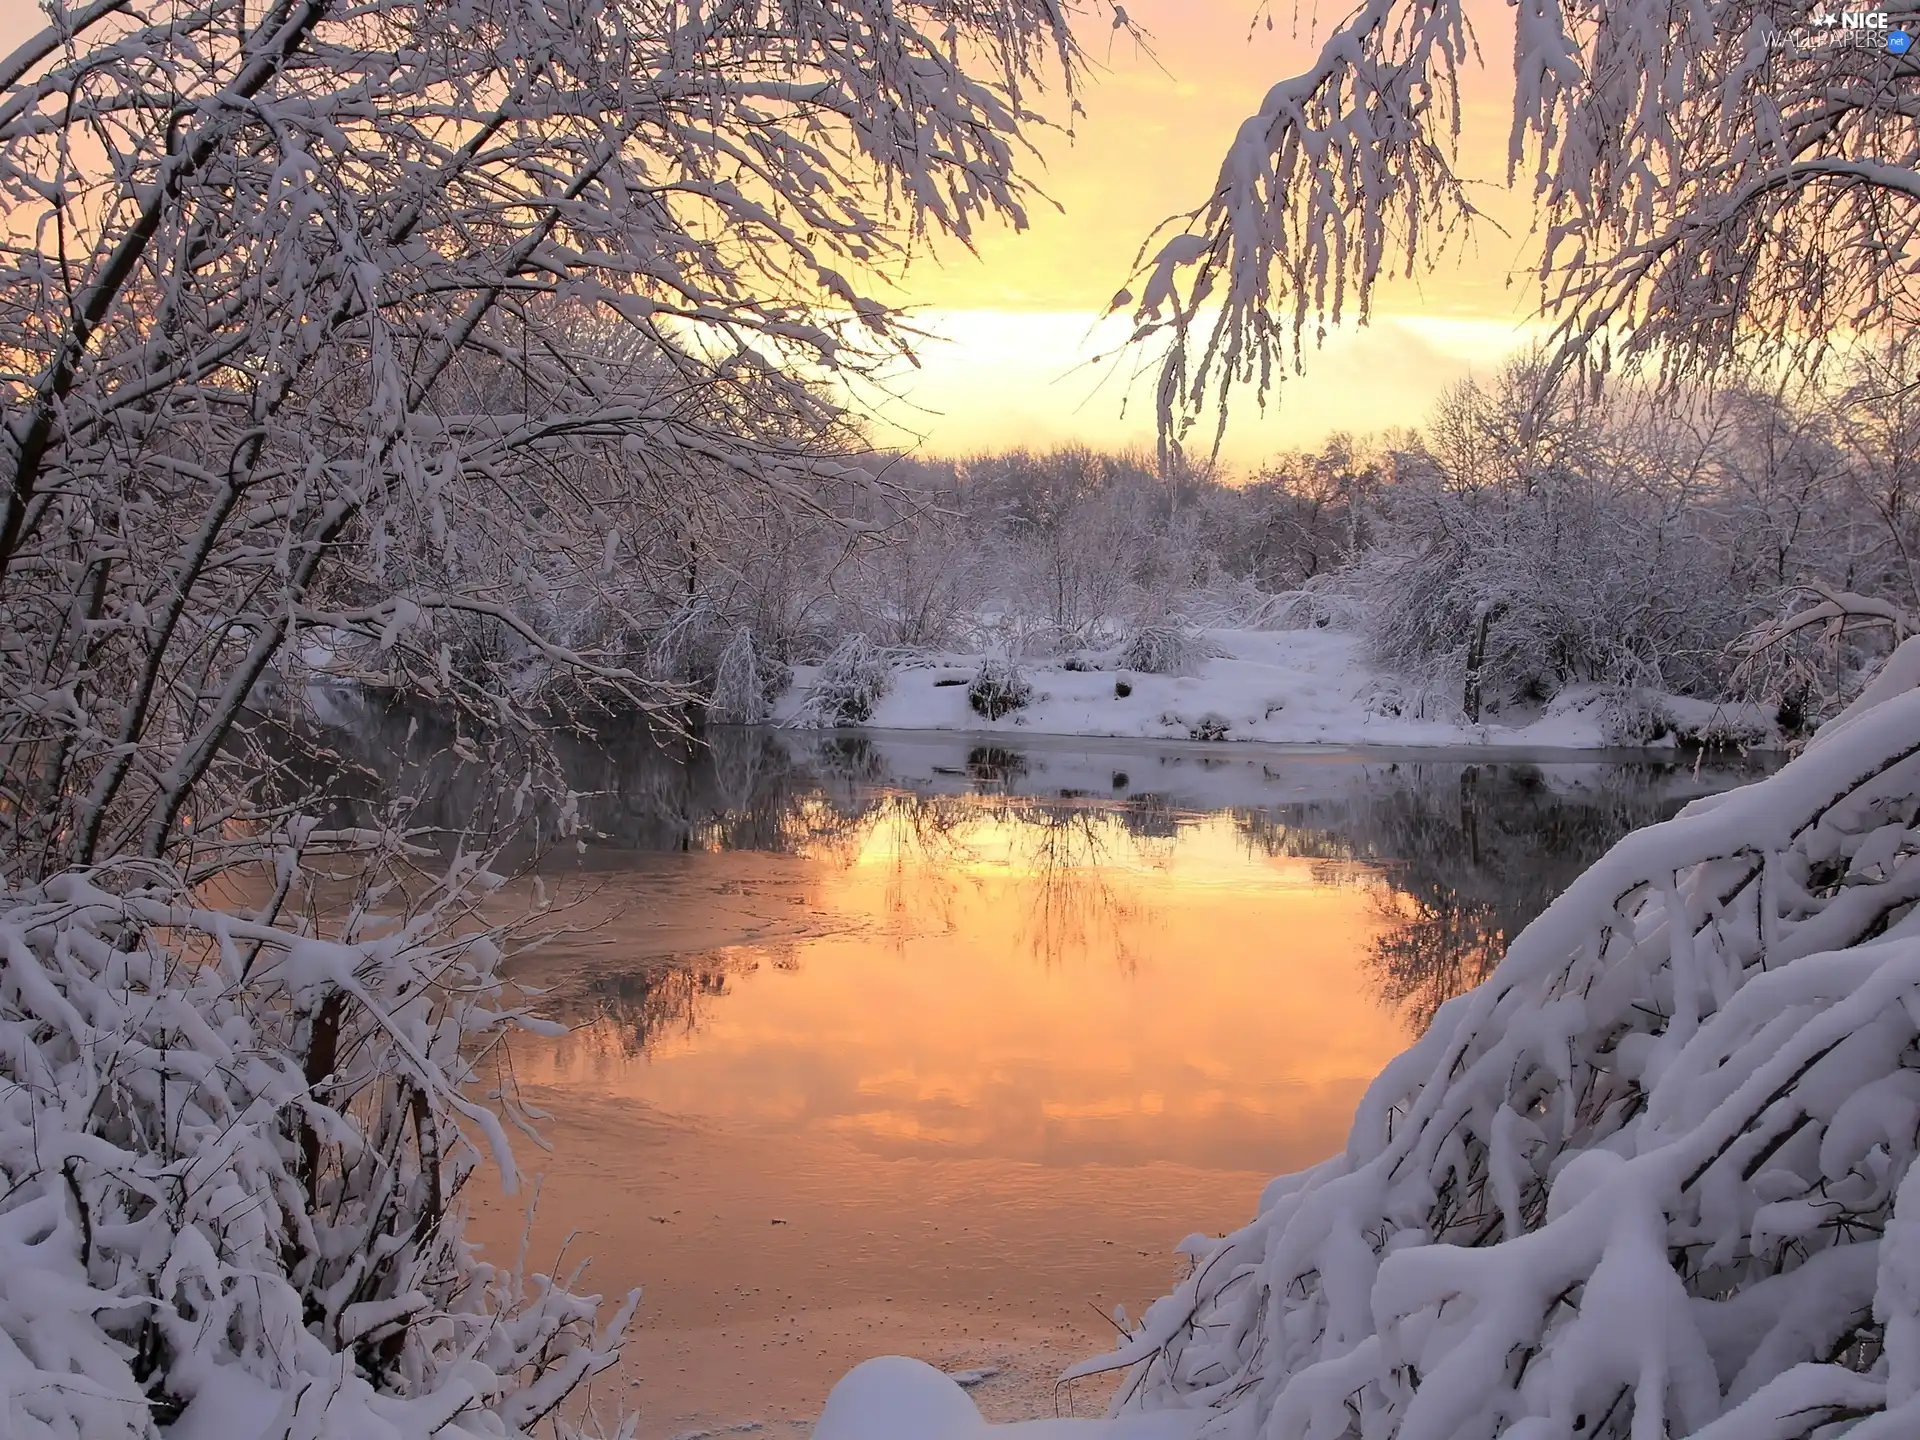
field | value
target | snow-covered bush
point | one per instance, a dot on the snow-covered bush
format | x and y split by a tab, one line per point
851	683
1413	696
1631	716
1211	726
1320	604
1545	539
1655	1176
743	685
1165	647
999	687
233	1155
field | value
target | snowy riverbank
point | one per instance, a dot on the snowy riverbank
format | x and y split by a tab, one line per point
1282	687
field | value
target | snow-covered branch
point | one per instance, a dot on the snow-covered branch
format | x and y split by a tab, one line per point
1707	175
269	267
233	1156
423	346
1834	611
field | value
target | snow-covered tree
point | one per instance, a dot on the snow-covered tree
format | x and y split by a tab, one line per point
1706	175
1540	535
1658	1174
295	293
739	691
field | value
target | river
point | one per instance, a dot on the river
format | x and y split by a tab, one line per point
921	1044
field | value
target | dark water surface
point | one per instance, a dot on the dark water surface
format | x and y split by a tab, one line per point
891	1043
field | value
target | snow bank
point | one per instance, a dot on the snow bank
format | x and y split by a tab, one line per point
1282	687
232	1153
894	1398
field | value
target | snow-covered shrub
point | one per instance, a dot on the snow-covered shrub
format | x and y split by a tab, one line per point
999	687
1165	647
1544	538
1631	716
1325	602
1412	696
233	1154
852	681
1211	726
1236	605
1655	1176
743	688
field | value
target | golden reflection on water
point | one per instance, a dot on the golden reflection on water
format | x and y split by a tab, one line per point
859	1070
1026	985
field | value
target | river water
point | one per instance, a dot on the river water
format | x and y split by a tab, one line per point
925	1045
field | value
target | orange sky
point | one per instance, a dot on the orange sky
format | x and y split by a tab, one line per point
1018	318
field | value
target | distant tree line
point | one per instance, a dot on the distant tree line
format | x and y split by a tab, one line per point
1532	534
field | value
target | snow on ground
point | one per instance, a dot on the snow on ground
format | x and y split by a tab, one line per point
894	1398
1281	687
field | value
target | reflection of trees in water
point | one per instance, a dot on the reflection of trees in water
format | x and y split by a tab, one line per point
1465	856
638	1008
641	1006
1058	853
1148	816
1066	858
631	787
1439	945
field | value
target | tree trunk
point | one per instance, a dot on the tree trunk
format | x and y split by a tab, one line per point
1476	656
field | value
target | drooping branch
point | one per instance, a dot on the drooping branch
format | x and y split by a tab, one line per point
1707	177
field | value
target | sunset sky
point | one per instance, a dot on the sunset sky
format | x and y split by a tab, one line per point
1019	319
